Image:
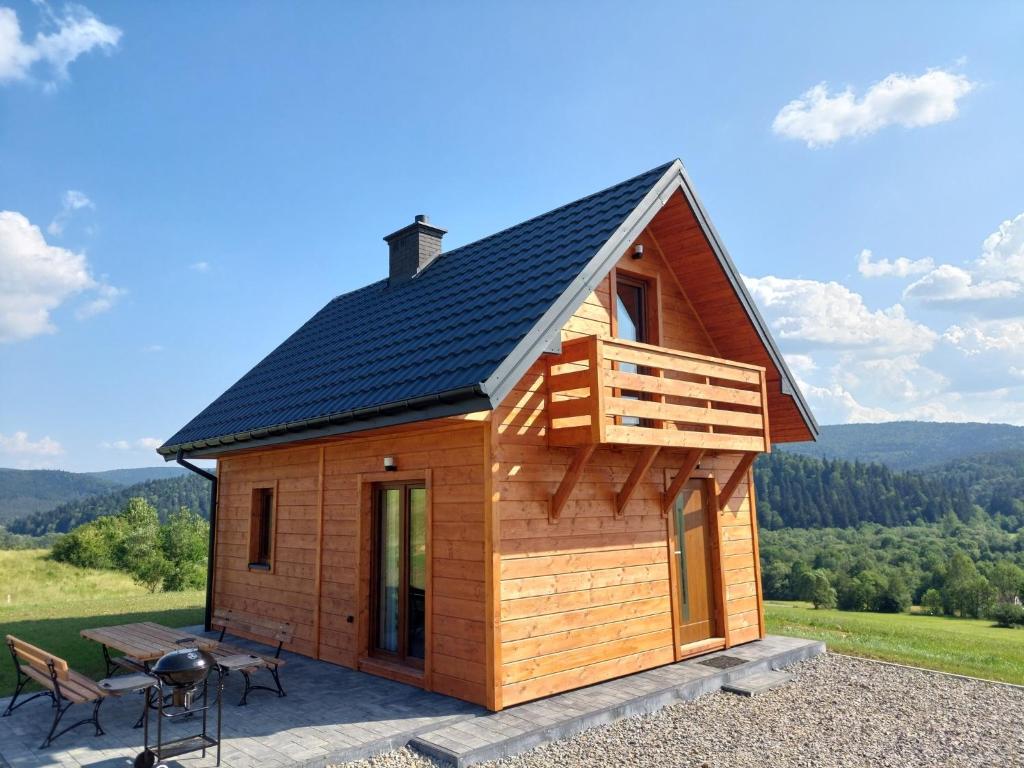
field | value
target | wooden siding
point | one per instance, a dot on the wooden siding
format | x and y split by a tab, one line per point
452	453
588	597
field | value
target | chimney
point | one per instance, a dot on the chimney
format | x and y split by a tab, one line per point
412	248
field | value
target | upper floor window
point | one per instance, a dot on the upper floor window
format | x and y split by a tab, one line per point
631	318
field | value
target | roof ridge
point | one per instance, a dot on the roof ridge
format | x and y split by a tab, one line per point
610	187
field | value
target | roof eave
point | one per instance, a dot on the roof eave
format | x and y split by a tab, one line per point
453	402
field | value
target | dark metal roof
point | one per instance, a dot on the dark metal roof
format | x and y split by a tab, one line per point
451	340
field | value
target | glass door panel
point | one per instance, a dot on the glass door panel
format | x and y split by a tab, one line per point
417	586
389	566
630	324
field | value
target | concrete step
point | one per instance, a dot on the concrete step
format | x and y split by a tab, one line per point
759	682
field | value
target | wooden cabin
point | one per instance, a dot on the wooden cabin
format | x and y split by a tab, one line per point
514	468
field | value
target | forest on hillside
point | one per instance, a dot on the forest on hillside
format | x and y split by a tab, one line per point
167	496
23	492
795	491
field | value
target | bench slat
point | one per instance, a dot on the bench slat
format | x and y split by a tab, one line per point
38	658
280	631
34	663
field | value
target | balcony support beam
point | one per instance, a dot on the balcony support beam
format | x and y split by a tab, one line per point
735	479
643	463
690	462
572	476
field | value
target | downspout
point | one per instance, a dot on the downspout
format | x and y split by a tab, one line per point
208	613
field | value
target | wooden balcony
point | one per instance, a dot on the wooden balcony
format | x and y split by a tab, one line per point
604	391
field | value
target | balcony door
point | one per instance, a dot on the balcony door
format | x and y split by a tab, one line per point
691	544
633	323
399	573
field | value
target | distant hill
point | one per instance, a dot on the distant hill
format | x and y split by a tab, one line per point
140	474
906	445
166	495
26	491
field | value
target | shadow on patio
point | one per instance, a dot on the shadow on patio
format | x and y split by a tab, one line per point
331	714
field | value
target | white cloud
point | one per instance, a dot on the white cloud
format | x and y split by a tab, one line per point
947	284
29	454
73	32
200	266
36	278
973	338
812	314
153	348
868	266
72	201
143	443
992	283
818	119
1002	253
856	364
105	298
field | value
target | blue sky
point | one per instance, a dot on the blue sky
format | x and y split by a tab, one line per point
183	185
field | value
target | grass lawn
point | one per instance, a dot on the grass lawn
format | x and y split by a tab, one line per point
964	646
47	603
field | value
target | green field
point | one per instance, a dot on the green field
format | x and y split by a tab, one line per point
963	646
48	603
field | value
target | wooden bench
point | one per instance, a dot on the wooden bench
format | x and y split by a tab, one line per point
231	658
61	684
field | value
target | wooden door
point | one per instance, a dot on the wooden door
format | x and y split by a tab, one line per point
692	552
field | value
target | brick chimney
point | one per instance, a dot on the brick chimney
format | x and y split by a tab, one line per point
412	248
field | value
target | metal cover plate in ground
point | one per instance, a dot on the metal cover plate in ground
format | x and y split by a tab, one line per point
723	662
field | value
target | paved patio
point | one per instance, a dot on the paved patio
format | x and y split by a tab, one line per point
334	715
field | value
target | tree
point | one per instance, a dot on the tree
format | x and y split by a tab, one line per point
819	590
172	555
1006	614
183	541
931	602
1007	580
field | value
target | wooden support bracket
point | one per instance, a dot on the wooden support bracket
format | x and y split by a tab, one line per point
735	479
668	498
643	463
572	476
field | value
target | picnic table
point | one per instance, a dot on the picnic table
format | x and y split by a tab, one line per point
143	642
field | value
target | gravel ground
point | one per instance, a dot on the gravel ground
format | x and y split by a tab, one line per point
838	711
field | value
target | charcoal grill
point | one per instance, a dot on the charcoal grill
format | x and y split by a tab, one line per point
183	691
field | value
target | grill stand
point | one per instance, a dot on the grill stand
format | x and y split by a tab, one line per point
157	698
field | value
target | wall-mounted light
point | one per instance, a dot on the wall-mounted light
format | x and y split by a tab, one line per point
390	465
638	252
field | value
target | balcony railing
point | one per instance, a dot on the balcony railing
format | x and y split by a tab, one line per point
611	391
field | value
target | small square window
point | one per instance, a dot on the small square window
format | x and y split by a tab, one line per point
261	529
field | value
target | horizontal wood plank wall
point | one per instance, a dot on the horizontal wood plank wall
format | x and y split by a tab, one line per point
588	598
453	451
288	593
